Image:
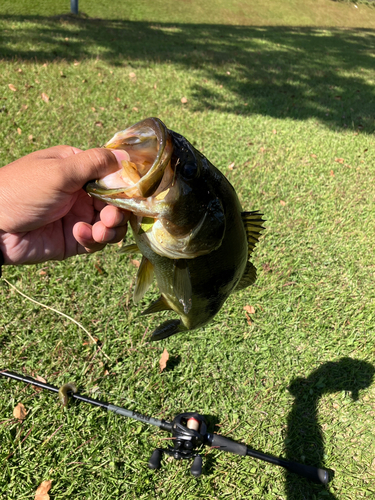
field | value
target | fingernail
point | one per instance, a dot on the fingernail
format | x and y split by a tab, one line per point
120	155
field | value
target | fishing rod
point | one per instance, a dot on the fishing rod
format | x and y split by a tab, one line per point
189	432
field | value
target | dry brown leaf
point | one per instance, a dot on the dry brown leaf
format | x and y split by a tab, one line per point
332	173
164	360
42	491
228	72
339	160
184	100
248	319
135	109
132	75
98	268
99	124
44	97
313	156
19	131
76	63
118	99
155	86
282	203
249	309
30	137
19	412
12	87
41	379
231	166
135	262
274	131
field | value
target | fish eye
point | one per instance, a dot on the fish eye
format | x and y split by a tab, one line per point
189	171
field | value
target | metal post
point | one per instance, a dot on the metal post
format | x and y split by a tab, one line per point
74	6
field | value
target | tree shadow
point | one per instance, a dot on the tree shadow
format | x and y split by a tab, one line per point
281	72
304	440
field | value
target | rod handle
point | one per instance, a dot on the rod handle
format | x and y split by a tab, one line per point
226	444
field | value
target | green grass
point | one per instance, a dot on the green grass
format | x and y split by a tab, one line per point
293	108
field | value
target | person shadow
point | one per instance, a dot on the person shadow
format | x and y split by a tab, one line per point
304	439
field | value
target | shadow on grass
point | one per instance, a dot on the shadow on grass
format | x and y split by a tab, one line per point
282	72
304	436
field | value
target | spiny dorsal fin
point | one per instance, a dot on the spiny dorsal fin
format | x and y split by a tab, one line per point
144	279
253	226
248	278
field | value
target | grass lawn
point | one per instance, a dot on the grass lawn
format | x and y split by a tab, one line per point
284	96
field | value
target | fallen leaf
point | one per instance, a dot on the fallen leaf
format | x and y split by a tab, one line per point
135	262
339	160
249	309
332	173
45	97
19	131
249	322
313	156
163	360
118	99
93	109
45	64
132	75
98	268
101	107
25	106
274	131
282	203
76	63
30	137
135	109
231	166
19	412
12	87
19	70
41	379
262	150
42	491
155	86
99	124
184	100
228	72
42	273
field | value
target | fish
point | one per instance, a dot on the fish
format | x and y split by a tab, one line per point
187	223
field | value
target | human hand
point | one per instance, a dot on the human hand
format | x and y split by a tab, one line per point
44	212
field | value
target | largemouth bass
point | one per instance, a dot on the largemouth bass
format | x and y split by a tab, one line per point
187	222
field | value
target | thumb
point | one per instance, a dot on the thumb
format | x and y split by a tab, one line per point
89	165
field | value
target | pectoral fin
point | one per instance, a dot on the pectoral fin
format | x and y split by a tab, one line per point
248	278
182	284
133	247
144	279
167	329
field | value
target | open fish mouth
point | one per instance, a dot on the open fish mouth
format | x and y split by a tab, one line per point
147	170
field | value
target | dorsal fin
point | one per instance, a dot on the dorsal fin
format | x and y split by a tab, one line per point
253	226
248	278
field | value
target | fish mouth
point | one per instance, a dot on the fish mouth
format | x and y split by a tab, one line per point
145	173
